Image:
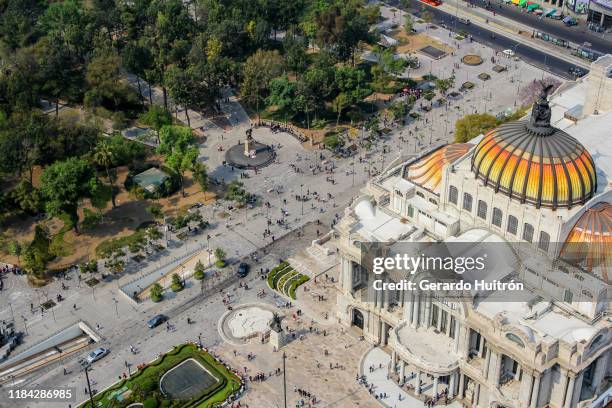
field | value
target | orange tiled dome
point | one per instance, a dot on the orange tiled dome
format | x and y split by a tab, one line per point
589	243
427	171
546	168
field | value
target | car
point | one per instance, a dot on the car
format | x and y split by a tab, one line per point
243	269
508	53
96	355
156	320
465	21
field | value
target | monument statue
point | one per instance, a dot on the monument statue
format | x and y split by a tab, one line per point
275	324
540	113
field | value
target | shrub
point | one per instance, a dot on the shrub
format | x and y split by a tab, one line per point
148	385
199	270
220	263
150	402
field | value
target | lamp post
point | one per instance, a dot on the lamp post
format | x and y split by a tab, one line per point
89	387
116	308
25	324
302	198
285	379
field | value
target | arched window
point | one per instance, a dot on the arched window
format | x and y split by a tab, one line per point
516	339
512	224
453	195
431	200
420	194
528	232
496	219
482	209
544	241
467	201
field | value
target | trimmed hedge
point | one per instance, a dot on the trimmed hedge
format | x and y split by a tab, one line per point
141	380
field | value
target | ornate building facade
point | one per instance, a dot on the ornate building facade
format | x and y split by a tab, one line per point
545	184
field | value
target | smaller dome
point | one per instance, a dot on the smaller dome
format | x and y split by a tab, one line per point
589	243
365	209
427	171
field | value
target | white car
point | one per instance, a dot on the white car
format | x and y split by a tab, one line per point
508	53
96	355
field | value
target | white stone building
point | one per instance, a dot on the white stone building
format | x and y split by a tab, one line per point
544	183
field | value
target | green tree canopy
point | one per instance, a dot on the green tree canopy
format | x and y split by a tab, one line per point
473	125
64	184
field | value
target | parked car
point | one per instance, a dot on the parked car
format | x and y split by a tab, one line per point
96	355
243	269
465	21
577	72
156	320
508	53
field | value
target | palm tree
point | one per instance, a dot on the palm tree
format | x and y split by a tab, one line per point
104	157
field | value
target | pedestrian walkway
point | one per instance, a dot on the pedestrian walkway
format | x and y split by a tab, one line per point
396	396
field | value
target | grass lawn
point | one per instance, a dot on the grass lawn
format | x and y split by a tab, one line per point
144	383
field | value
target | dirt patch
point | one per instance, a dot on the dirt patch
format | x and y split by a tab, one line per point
412	43
472	59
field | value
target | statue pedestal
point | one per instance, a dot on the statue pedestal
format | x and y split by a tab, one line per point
277	339
247	147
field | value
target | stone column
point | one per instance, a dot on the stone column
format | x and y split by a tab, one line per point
577	388
402	373
477	394
466	344
498	367
409	308
439	320
536	391
415	314
481	346
559	399
393	361
417	384
434	390
427	311
383	332
600	370
487	363
517	375
457	334
525	388
448	323
451	385
569	395
461	385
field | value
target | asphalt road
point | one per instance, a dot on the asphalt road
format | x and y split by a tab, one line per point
577	34
526	53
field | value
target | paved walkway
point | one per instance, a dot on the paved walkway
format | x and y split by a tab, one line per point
397	397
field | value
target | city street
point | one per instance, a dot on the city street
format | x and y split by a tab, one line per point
498	42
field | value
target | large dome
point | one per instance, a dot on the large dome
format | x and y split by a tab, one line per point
537	164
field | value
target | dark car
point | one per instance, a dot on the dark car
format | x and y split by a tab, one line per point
243	269
156	320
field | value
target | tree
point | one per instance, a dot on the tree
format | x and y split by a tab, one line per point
15	248
236	192
198	271
200	175
177	283
106	86
352	82
282	93
473	125
103	156
156	117
338	104
399	109
529	93
429	95
408	24
443	85
156	292
27	198
63	184
295	54
220	256
181	161
174	138
257	72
